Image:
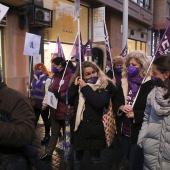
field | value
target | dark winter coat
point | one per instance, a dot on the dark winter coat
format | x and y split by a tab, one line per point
90	133
139	107
59	113
18	130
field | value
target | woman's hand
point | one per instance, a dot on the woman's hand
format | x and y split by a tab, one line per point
43	107
76	82
125	108
79	82
130	114
82	83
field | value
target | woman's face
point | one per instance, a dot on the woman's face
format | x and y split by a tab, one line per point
157	74
89	72
134	63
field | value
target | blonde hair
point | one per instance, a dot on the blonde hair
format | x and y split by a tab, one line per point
101	75
140	58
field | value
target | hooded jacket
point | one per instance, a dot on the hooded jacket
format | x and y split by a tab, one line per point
154	136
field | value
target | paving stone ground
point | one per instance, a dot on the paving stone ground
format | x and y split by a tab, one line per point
109	156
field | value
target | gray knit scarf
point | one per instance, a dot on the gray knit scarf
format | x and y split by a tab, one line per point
161	105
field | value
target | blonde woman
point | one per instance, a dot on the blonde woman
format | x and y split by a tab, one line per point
89	96
129	119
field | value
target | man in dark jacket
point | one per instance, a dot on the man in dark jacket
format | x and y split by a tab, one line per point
17	127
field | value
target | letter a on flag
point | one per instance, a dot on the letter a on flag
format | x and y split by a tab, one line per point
32	44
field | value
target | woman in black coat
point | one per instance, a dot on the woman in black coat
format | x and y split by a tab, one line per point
89	96
129	110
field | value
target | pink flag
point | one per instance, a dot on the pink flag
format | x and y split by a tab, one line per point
58	49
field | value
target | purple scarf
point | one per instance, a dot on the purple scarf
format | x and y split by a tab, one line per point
134	82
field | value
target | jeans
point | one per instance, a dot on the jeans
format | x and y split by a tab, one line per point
93	163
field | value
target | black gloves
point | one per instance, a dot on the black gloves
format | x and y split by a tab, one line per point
57	95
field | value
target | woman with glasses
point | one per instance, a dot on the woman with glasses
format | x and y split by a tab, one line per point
129	116
154	136
89	95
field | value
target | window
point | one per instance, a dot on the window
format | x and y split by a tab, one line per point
135	1
136	45
145	4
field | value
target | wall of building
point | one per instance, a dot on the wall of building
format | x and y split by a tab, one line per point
159	14
16	65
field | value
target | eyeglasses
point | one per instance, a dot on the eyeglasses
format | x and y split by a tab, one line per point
88	74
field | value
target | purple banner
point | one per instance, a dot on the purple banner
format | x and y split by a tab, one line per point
75	49
58	49
124	51
87	49
109	60
163	47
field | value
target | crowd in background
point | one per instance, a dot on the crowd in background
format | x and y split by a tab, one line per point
140	98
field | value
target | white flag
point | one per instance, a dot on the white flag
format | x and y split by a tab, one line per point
52	100
32	44
3	11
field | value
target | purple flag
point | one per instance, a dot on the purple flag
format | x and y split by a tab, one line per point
87	49
124	51
75	49
163	47
58	49
109	59
77	9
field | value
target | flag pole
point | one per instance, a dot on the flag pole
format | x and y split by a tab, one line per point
79	49
30	77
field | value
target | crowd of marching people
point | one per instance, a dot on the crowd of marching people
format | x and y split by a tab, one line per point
79	93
